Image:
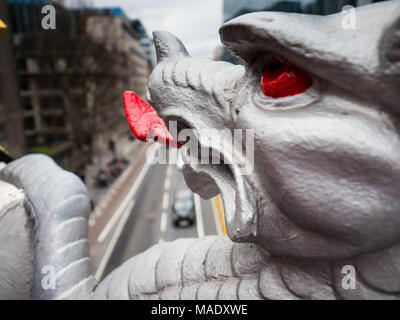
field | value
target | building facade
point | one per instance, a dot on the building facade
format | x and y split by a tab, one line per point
39	121
11	113
146	42
126	39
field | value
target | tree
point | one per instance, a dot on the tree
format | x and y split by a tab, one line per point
88	68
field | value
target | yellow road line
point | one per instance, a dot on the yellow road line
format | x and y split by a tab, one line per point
3	27
220	211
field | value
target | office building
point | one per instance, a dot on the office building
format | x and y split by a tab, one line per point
36	117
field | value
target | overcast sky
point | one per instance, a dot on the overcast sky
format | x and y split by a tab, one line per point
195	22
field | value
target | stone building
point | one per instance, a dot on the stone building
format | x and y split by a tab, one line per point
113	24
146	42
38	121
11	115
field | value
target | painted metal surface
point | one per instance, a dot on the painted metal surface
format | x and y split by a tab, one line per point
324	193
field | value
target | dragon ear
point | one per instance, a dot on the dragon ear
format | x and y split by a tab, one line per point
363	58
168	46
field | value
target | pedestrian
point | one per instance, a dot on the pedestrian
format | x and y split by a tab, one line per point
111	147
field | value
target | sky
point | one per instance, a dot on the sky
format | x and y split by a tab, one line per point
195	22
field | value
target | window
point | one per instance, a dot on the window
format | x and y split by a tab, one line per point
21	64
29	123
27	104
23	83
2	133
51	103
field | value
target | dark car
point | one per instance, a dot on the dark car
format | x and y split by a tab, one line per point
183	208
101	179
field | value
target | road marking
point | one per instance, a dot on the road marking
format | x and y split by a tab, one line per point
169	173
100	207
167	183
114	240
121	208
163	223
218	215
165	203
221	214
199	216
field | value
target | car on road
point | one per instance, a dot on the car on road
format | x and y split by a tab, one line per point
183	208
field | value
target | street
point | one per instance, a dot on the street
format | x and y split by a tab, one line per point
143	218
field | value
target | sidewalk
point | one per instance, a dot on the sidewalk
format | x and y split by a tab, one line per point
124	148
113	197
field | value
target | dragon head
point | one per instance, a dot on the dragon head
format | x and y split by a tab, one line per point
323	103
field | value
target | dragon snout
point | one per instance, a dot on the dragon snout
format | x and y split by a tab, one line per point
197	93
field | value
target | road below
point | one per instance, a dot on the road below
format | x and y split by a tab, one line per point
145	218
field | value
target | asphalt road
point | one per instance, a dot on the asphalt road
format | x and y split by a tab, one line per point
146	219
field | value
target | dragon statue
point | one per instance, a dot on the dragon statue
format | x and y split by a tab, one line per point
323	198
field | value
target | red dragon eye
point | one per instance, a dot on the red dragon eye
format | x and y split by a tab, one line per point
281	78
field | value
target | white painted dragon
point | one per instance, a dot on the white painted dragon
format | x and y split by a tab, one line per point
324	194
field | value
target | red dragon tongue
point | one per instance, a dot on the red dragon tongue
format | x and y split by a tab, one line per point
144	121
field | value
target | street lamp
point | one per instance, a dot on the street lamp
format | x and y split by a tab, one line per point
3	27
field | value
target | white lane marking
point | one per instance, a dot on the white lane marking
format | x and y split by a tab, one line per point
165	203
114	239
199	216
99	209
118	213
163	224
216	216
167	183
169	173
